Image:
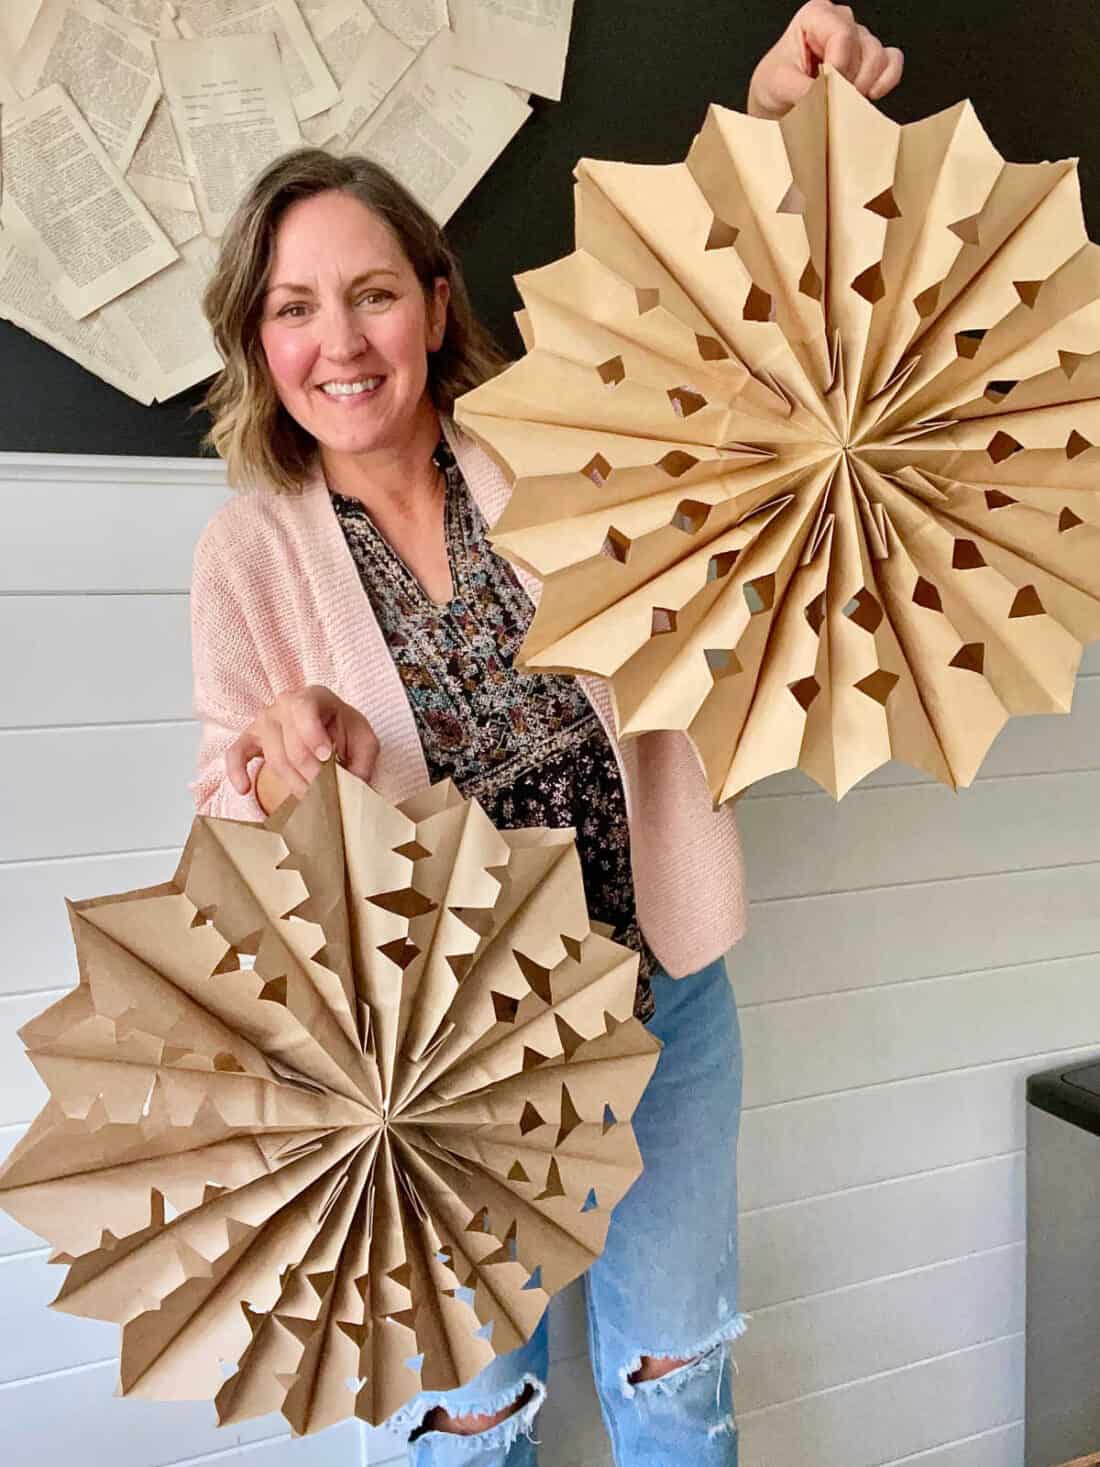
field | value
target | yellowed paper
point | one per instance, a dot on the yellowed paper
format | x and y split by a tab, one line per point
163	200
523	42
86	229
345	1102
158	176
803	444
441	128
378	65
415	22
164	327
232	115
16	18
27	301
341	30
312	88
148	14
104	62
158	153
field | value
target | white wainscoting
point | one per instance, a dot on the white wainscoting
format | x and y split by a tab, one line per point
913	955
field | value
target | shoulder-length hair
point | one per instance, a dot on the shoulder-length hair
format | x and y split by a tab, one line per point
259	440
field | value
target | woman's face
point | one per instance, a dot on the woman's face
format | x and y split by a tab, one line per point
346	327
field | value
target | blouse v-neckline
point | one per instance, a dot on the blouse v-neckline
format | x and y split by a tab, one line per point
452	486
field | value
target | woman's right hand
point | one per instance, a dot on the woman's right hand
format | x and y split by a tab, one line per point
295	735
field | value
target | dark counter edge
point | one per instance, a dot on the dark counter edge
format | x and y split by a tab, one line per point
1070	1094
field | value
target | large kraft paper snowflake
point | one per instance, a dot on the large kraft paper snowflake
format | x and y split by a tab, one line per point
804	442
341	1105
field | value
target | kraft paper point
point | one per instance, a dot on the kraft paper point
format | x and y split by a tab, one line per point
335	1111
804	446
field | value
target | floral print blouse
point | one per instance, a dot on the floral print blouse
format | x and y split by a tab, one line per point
528	747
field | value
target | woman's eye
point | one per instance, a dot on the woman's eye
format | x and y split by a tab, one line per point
375	297
295	308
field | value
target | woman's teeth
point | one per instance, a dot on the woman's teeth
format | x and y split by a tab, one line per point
351	389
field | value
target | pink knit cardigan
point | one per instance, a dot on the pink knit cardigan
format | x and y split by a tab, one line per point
277	604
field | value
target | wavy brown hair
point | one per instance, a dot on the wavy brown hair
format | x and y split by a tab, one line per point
259	440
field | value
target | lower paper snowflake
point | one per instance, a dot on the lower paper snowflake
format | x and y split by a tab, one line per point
341	1105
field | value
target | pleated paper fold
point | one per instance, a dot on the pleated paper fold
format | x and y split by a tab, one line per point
804	442
335	1111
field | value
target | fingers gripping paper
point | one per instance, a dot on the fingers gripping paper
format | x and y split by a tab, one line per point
344	1103
803	444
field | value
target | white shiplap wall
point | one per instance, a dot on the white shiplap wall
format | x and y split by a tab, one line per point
912	956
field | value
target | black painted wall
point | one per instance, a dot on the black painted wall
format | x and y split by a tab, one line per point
639	78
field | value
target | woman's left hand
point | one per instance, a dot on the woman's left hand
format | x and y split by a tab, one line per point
822	32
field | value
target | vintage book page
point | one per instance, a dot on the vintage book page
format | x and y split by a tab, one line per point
161	322
27	301
232	88
519	41
85	227
158	177
341	30
414	21
158	153
441	128
311	86
377	64
180	222
148	14
106	65
16	17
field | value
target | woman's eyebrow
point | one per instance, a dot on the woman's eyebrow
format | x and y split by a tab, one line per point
307	289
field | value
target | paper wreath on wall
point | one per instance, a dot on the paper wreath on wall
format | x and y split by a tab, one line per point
803	444
360	1166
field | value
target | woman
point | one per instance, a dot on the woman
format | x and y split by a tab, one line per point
351	603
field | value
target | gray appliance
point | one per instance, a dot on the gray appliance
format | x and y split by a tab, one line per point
1063	1265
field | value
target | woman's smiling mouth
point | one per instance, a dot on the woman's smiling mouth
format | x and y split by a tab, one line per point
358	388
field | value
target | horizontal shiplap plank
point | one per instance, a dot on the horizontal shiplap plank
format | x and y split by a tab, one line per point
22	1093
892	1415
36	1339
805	1148
14	1238
821	944
39	950
132	535
85	791
337	1447
815	1344
76	1417
878	1035
94	659
823	1243
1003	1446
1031	744
879	837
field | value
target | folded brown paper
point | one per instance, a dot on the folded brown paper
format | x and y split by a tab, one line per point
803	444
359	1164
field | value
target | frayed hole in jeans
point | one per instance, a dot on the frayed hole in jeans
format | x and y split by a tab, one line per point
439	1419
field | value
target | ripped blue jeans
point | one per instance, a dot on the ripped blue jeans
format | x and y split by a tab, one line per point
666	1282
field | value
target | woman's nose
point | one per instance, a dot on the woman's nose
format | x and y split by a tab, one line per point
342	334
